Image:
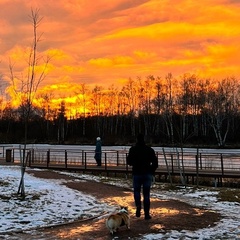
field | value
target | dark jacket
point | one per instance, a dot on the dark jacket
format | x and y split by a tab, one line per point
143	159
98	150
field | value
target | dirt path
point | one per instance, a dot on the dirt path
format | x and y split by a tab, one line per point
167	214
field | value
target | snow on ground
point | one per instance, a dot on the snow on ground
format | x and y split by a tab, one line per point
227	228
48	202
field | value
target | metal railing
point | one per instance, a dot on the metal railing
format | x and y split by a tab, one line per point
72	157
171	162
224	162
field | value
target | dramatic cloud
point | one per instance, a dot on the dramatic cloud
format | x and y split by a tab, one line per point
106	42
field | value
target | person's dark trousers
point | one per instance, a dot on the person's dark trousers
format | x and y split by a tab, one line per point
144	181
99	162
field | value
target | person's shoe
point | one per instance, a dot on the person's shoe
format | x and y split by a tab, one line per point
148	217
138	212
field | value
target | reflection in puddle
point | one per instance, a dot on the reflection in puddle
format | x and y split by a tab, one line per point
171	211
77	231
156	227
175	210
167	211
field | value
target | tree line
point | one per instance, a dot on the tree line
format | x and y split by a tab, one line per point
187	110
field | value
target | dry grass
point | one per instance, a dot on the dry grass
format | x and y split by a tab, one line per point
229	195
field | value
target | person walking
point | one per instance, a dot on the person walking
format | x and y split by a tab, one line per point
144	163
98	152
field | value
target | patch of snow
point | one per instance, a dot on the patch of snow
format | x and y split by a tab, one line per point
49	202
46	203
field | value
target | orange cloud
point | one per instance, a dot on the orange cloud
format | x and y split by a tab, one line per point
110	41
113	62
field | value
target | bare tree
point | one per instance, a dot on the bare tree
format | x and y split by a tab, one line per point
3	102
169	106
146	97
222	104
130	93
45	110
188	106
61	122
97	102
111	105
26	86
81	96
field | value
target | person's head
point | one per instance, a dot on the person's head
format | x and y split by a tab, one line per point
140	138
98	139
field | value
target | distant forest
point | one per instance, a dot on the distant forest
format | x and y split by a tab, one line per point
190	112
120	130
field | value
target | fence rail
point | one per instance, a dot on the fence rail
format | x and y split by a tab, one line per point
175	162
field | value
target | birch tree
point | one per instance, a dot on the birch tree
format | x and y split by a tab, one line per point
130	92
25	87
169	107
82	92
222	104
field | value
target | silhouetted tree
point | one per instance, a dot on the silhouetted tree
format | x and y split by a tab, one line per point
26	86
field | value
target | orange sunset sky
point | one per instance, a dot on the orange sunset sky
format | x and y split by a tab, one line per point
104	42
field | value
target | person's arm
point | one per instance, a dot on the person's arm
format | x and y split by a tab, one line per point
129	158
154	161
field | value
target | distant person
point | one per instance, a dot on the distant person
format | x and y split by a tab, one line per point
144	163
98	151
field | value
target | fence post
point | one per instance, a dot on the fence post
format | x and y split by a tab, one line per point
3	152
12	154
29	156
126	166
197	169
48	157
83	157
117	158
222	168
32	156
85	160
105	160
65	158
172	163
200	161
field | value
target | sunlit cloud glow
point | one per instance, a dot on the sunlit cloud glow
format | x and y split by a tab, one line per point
109	42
